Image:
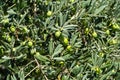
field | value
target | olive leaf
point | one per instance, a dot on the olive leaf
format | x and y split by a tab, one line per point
57	50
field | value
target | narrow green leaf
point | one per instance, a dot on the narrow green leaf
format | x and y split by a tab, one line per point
85	76
11	11
97	11
73	39
57	50
21	75
13	77
8	77
20	56
6	45
106	75
51	46
23	17
58	58
71	26
61	19
6	57
2	60
66	57
41	57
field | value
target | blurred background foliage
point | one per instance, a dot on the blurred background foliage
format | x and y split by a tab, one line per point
59	40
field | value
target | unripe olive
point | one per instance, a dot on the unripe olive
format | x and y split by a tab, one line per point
87	31
25	30
30	44
37	70
23	43
61	62
32	51
115	26
12	28
113	41
49	13
72	1
113	71
101	54
57	34
9	39
14	49
94	34
69	48
107	32
5	21
37	54
65	41
98	70
21	15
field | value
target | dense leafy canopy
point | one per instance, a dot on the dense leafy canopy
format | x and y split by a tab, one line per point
59	39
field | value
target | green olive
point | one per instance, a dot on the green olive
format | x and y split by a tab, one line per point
25	29
113	41
49	13
72	1
115	26
32	51
87	31
113	71
69	48
57	34
61	63
23	43
94	34
107	32
98	70
12	28
14	49
30	44
5	21
37	54
9	39
65	40
37	70
101	54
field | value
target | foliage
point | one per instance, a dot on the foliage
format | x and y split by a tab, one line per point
59	39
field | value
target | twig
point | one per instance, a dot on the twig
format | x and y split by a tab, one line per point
73	17
28	64
31	71
115	55
39	66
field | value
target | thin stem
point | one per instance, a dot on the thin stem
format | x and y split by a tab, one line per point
39	66
31	71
